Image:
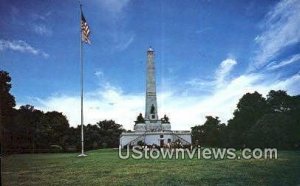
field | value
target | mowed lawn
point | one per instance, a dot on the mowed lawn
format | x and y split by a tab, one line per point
103	167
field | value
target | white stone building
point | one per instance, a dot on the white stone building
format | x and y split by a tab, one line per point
152	130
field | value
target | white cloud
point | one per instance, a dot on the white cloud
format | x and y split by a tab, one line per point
224	69
197	83
274	65
282	29
99	74
110	102
205	29
114	6
188	111
42	30
291	84
185	111
219	79
125	44
120	35
107	103
39	23
41	17
21	46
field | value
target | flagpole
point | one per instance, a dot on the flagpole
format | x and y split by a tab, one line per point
81	86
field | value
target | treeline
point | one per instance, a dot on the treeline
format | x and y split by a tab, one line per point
261	122
257	122
28	129
36	131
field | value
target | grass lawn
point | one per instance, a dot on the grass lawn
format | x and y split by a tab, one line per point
103	167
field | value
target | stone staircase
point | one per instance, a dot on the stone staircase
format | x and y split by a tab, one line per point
139	138
181	139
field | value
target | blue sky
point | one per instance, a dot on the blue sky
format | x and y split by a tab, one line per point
208	54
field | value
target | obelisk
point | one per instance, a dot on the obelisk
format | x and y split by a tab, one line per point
151	102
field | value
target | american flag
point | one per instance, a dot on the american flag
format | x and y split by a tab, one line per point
85	30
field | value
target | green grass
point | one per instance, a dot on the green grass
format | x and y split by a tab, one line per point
103	167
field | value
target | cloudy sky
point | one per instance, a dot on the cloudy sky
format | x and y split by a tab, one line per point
208	54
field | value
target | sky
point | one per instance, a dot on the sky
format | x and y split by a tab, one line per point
208	53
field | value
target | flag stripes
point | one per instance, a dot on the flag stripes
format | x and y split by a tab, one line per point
85	30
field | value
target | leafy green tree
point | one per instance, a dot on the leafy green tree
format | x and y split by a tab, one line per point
7	102
210	133
92	137
35	131
257	122
251	107
110	133
279	101
295	114
273	130
26	121
55	126
73	139
280	126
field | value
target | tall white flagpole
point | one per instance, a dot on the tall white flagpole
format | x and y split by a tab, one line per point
81	85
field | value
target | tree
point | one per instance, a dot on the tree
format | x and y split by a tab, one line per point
285	106
273	130
279	101
294	113
257	122
7	102
73	139
110	133
250	108
27	121
92	137
210	133
55	126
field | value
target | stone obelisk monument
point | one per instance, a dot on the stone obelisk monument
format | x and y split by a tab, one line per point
151	130
151	102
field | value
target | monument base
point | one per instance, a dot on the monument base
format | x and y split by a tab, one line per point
82	155
159	138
